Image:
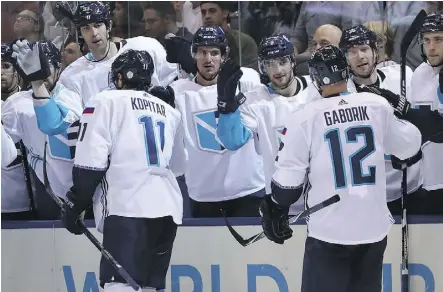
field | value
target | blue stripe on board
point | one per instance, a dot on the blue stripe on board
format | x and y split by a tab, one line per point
200	222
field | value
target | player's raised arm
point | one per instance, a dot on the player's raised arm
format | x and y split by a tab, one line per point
231	131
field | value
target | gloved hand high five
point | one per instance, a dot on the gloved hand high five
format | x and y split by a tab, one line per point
227	83
178	51
400	104
33	65
164	93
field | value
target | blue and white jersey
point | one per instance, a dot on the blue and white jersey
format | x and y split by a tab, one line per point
213	173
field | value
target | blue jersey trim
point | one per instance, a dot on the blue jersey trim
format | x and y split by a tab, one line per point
50	118
231	131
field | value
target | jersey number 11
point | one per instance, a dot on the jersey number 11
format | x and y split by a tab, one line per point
151	135
355	160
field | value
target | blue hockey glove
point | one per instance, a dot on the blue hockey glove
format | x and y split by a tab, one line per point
178	51
227	83
275	221
72	214
164	93
33	65
399	103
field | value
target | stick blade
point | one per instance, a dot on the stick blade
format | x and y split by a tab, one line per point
412	32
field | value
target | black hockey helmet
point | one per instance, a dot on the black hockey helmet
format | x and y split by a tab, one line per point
7	54
433	23
356	36
274	47
91	12
328	66
136	68
52	53
212	37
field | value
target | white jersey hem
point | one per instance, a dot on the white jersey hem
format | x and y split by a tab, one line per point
433	187
177	221
240	195
350	242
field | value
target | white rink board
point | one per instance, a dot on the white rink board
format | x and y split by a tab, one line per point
205	259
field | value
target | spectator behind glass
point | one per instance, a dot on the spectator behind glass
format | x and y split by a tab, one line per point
126	19
160	19
326	34
216	13
29	25
312	15
70	52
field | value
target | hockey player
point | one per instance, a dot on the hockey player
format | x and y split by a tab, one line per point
216	178
21	123
266	107
58	113
338	143
360	47
10	78
425	110
129	131
9	152
15	194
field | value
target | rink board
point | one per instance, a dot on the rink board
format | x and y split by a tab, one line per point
42	256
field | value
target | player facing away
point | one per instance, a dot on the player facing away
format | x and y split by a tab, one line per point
58	113
127	136
361	49
266	107
216	178
336	145
20	122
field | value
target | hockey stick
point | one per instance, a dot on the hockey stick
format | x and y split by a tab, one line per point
245	242
28	179
120	270
405	43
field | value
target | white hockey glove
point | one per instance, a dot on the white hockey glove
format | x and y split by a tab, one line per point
33	65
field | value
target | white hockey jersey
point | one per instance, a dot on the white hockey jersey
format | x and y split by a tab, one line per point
213	173
77	84
424	94
130	134
264	113
14	193
389	78
21	123
9	152
338	145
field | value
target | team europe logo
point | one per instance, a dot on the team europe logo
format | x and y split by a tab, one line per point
206	129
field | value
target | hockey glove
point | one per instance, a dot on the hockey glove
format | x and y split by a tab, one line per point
72	214
178	51
275	221
164	93
33	65
227	83
399	103
264	79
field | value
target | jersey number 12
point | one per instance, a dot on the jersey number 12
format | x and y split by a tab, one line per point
152	148
355	160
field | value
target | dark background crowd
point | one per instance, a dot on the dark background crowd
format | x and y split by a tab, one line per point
307	24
